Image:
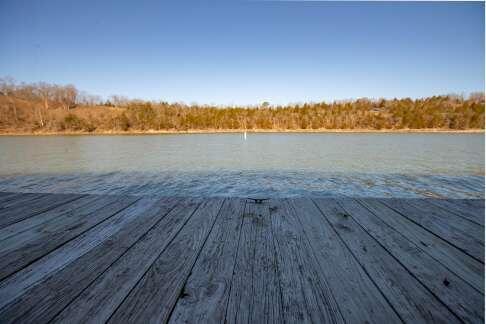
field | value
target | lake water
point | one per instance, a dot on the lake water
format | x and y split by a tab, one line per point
263	165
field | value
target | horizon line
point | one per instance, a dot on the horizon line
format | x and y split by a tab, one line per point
106	98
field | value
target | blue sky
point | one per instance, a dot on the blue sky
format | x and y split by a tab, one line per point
246	52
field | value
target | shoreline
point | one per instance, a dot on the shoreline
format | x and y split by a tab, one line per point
238	131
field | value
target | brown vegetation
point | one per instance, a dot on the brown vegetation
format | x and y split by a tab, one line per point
46	108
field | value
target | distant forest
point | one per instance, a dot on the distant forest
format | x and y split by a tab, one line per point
43	107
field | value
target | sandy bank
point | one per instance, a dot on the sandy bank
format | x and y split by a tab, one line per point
215	131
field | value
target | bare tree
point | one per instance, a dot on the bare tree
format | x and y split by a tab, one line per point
119	101
87	99
8	88
477	96
69	94
45	91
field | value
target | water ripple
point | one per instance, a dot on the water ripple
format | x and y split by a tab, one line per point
276	184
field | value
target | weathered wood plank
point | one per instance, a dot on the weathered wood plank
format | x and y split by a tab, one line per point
306	296
15	214
107	292
155	295
98	302
358	298
65	209
18	199
461	216
41	290
283	261
461	209
6	196
465	267
255	279
461	233
401	269
5	193
266	293
240	299
477	203
25	247
206	292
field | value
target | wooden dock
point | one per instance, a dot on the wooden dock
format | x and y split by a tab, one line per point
109	258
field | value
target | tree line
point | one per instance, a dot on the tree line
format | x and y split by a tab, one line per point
44	107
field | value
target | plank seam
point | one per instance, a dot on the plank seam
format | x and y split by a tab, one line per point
57	270
57	217
455	213
155	259
121	255
59	246
234	264
195	260
399	262
356	259
418	224
45	210
41	195
277	270
255	235
50	251
314	255
418	246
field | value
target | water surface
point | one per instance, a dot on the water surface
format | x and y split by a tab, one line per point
274	165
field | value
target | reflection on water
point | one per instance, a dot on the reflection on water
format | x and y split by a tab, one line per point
270	165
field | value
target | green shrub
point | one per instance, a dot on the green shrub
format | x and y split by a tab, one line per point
75	123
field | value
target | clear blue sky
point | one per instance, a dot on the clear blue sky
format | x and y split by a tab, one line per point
246	52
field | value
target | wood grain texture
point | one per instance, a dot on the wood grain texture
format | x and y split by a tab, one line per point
240	299
156	293
461	264
99	258
463	213
15	199
477	203
266	291
405	274
255	292
461	209
306	295
206	292
97	303
17	213
39	291
29	223
358	298
59	227
459	232
6	196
